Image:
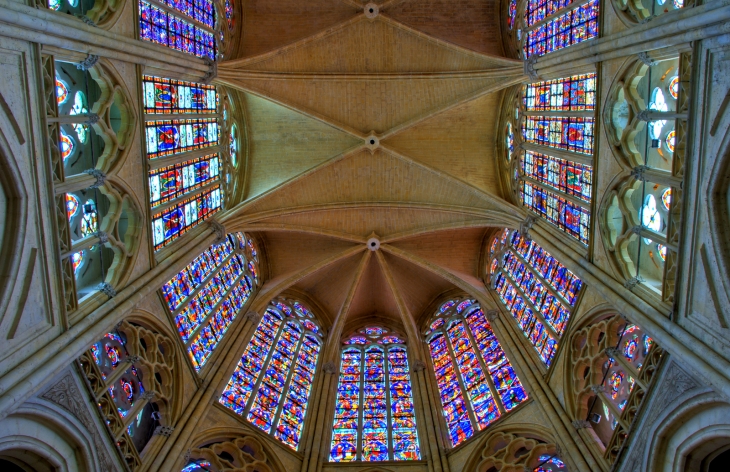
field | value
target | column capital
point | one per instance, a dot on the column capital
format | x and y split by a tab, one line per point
107	289
526	226
88	63
530	71
581	424
612	352
165	431
419	365
330	368
219	230
492	315
212	71
98	175
254	317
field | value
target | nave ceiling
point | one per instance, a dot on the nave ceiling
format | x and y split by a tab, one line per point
364	125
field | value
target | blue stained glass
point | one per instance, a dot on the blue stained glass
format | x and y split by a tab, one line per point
561	212
371	379
172	222
281	359
572	27
158	26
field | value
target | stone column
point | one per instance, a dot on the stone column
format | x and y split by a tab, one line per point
576	449
213	384
420	385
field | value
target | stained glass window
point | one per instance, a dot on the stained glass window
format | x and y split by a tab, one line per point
271	384
560	132
168	137
539	291
233	145
207	295
171	182
159	26
72	205
172	222
199	10
374	413
229	13
572	27
568	177
568	94
476	381
566	215
176	96
90	219
511	13
538	10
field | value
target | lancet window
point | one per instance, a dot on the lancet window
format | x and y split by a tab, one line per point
272	382
539	292
552	167
130	372
374	414
648	112
475	379
551	25
188	25
208	294
614	362
185	158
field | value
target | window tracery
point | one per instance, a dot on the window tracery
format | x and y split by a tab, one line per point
90	124
632	13
613	362
551	169
523	450
238	453
208	294
475	378
271	384
539	292
185	156
130	371
646	118
374	413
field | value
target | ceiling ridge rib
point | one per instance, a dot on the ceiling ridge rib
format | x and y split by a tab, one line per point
231	82
237	63
389	4
406	316
371	76
479	293
333	339
498	202
267	293
484	223
350	205
497	86
448	44
343	155
283	227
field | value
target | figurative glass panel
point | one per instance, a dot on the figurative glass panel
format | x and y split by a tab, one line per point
566	215
176	96
229	13
560	132
278	364
169	137
539	291
568	177
569	94
374	414
511	13
476	381
572	27
172	222
177	180
538	10
161	27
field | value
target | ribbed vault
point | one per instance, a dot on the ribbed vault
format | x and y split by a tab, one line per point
365	125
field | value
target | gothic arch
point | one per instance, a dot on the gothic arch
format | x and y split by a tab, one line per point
255	454
718	197
512	448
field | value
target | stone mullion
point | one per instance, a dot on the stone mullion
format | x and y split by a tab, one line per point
287	383
599	391
388	402
264	365
202	284
435	409
196	193
485	369
179	158
548	286
310	464
529	371
361	410
465	392
212	311
137	407
571	198
615	354
538	314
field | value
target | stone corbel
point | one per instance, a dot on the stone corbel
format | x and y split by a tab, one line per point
646	59
88	63
165	431
254	317
526	226
492	315
581	424
330	368
99	175
212	72
219	230
418	365
530	71
107	289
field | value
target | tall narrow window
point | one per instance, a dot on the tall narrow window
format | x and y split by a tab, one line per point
185	156
475	379
554	25
554	174
539	291
271	384
207	295
374	415
188	26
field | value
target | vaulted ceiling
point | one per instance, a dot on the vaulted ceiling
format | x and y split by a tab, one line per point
371	120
